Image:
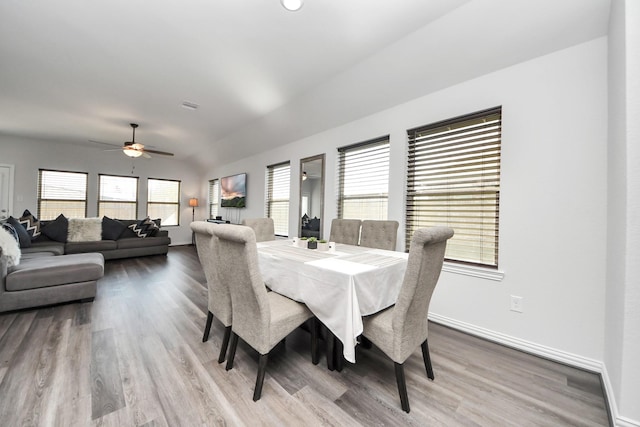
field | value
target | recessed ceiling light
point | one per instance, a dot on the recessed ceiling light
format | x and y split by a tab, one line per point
190	105
291	5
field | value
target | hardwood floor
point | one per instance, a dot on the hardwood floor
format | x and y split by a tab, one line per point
135	356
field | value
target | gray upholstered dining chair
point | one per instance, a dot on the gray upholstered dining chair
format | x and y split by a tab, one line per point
219	298
400	329
262	319
263	227
379	234
345	231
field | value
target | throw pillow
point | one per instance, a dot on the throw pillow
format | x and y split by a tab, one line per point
112	228
144	228
11	230
84	230
23	236
9	248
30	223
57	229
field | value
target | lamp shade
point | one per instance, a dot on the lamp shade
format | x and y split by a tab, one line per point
291	5
132	153
193	203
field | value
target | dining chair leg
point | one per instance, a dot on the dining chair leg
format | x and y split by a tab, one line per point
262	367
402	386
225	344
331	351
427	360
339	351
207	327
365	342
315	352
232	351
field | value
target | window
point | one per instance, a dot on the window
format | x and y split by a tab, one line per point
118	196
278	186
454	180
363	180
163	200
62	192
214	198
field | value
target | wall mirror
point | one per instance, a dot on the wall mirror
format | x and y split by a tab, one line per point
310	219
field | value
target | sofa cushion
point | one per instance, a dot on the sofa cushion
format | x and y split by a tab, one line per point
144	228
84	230
57	229
23	236
112	228
30	223
53	248
95	246
56	270
136	242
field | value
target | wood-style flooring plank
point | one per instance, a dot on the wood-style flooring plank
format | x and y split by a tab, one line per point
106	384
135	357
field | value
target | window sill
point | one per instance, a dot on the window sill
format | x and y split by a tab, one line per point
474	271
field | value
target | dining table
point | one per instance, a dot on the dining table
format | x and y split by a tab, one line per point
339	286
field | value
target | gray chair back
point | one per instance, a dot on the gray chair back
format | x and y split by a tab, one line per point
345	231
426	256
379	234
263	227
219	298
238	255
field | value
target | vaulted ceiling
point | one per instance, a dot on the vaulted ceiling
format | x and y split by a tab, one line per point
78	72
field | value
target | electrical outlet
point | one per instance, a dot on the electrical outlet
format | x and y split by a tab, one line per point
517	304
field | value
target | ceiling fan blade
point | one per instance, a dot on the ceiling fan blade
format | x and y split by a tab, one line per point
108	144
162	153
145	155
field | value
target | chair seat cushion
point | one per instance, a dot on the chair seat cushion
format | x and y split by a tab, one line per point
55	270
285	312
378	328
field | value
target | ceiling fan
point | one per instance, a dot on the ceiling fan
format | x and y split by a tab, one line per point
135	149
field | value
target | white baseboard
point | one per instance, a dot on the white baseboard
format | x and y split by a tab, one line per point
570	359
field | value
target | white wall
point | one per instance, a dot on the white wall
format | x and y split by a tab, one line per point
28	156
553	201
622	345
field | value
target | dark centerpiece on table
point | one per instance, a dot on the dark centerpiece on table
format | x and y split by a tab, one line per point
312	243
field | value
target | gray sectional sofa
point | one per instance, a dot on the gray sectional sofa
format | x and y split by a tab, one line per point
126	245
54	270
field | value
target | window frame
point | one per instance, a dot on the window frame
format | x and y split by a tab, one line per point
135	203
380	146
272	178
40	199
469	147
177	203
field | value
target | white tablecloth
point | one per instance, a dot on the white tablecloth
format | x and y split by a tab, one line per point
338	287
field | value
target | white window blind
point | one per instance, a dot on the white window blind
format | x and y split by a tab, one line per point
118	196
278	189
363	180
214	198
163	200
454	180
61	192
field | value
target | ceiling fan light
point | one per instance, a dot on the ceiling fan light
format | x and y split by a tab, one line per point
292	5
132	153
